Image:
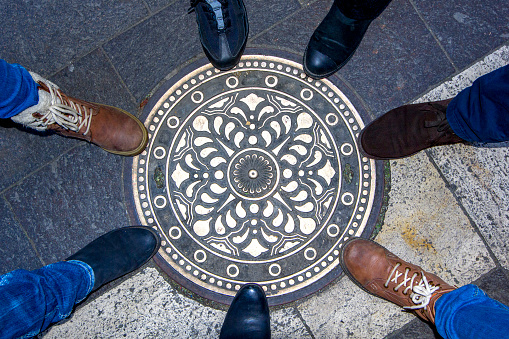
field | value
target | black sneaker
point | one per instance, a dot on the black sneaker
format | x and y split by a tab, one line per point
223	30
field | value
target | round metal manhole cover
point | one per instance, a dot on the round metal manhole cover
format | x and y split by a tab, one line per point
253	175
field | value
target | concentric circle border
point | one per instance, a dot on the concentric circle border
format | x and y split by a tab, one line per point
219	297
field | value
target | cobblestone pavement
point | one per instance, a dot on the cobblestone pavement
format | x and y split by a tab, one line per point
447	206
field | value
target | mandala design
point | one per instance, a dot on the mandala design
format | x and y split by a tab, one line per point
253	175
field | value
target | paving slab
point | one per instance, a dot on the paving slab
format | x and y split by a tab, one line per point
478	174
70	202
146	306
15	248
156	46
46	35
155	5
422	225
467	30
18	144
262	14
397	60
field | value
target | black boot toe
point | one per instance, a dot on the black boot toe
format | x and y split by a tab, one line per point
118	252
248	316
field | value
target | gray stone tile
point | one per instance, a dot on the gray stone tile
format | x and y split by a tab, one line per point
156	5
93	78
397	60
148	52
15	249
422	225
264	13
45	35
467	29
478	174
453	86
285	323
416	329
496	285
23	151
294	33
71	201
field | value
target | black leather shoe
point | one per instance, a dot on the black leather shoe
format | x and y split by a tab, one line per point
223	30
118	252
333	43
248	316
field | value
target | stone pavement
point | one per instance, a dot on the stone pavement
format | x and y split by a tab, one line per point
448	206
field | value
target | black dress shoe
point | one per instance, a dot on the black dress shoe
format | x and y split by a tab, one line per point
118	252
248	316
223	30
333	43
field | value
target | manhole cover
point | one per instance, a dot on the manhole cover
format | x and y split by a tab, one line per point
253	175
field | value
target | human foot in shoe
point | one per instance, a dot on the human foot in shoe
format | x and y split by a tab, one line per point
110	128
333	43
223	28
248	315
118	252
381	273
407	130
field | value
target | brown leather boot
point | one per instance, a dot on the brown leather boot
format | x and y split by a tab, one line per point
407	130
110	128
379	272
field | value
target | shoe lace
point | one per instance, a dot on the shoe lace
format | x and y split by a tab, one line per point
422	291
66	113
216	12
440	123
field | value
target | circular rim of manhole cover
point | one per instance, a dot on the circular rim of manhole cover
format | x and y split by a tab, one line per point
258	188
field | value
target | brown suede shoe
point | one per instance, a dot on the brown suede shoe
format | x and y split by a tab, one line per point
110	128
407	130
379	272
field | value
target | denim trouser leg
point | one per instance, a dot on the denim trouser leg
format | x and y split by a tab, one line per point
480	113
469	313
18	90
31	300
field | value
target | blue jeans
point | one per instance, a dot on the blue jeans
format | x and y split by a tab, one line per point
32	300
18	90
469	313
480	112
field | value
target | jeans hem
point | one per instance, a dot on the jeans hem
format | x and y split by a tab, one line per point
90	274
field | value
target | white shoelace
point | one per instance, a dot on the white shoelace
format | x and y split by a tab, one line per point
70	116
421	292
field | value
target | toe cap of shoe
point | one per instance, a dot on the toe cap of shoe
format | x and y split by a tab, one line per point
318	65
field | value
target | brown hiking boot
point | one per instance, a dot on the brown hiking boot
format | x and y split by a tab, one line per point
379	272
110	128
407	130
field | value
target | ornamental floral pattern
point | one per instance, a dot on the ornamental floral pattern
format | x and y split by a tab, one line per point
253	173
